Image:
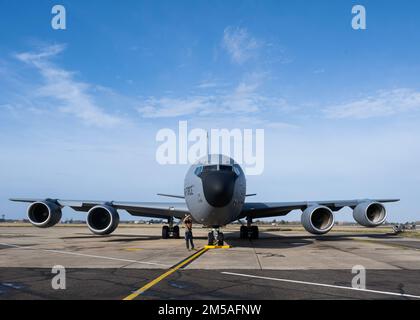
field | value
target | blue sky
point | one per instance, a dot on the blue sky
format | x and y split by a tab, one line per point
80	108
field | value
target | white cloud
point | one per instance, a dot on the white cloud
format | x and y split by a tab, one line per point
166	107
38	57
240	45
384	103
241	100
73	96
209	84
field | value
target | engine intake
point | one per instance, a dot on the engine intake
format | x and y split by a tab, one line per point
370	214
44	214
102	220
318	219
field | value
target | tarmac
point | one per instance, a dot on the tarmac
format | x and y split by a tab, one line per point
134	263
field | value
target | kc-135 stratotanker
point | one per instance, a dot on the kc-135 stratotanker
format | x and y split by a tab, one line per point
214	195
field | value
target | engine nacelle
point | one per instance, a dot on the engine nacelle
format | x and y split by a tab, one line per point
44	214
370	214
318	219
103	220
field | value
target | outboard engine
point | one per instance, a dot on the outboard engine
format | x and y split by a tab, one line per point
44	214
102	220
317	219
370	214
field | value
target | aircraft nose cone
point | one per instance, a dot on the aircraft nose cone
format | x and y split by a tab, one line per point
218	187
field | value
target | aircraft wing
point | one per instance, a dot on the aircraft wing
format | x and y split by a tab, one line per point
274	209
159	210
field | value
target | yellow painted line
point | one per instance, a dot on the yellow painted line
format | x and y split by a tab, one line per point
217	247
133	249
138	292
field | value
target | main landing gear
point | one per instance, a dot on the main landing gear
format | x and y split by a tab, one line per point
170	231
249	231
216	238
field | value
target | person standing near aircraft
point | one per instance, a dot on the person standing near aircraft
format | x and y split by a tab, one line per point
188	232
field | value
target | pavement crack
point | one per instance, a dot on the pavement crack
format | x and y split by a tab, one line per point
256	254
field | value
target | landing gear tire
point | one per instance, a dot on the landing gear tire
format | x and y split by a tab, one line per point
216	238
211	239
168	233
221	239
243	233
175	232
165	232
255	234
251	232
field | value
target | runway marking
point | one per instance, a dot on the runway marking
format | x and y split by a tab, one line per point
85	255
218	247
323	285
152	283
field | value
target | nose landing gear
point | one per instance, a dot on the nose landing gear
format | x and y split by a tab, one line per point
216	238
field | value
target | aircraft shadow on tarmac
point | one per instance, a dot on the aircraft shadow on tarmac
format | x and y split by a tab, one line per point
116	237
266	240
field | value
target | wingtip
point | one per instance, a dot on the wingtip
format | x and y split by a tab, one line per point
392	200
23	200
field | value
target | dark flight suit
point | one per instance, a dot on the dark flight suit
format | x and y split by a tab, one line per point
188	233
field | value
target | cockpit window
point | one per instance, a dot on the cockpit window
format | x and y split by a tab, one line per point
198	171
221	167
225	168
237	170
210	168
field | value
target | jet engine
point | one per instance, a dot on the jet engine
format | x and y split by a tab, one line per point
44	214
317	219
102	220
370	214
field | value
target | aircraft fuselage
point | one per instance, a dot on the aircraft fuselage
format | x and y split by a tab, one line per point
215	191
